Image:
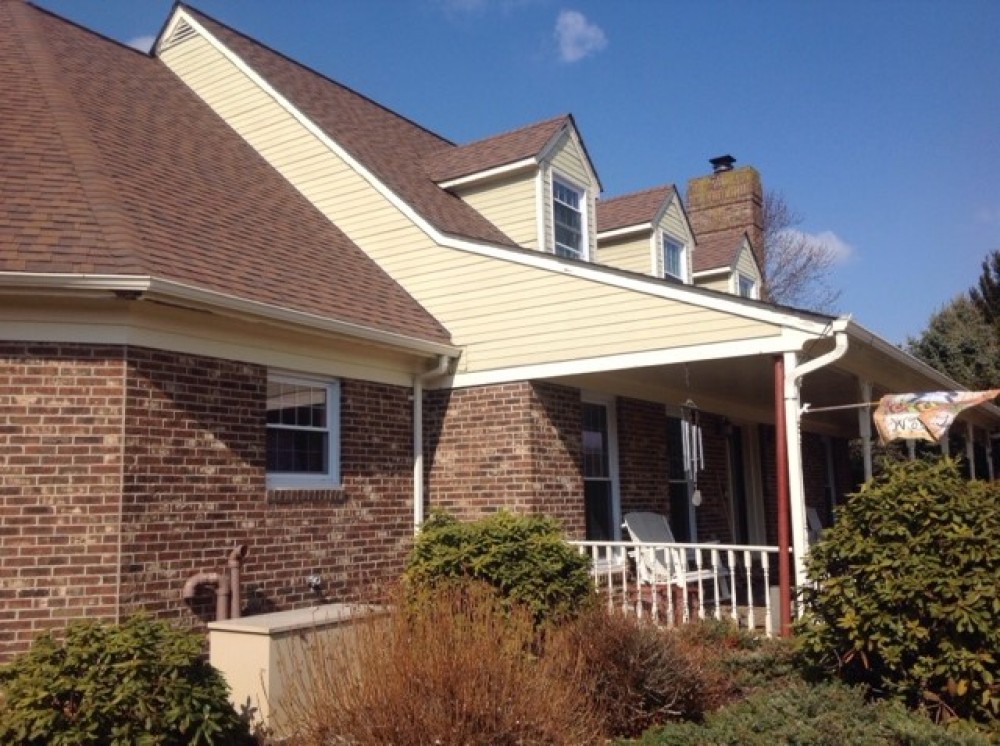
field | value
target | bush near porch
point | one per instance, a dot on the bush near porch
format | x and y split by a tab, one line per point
523	557
907	591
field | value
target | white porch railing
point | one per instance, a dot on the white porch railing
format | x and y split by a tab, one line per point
675	583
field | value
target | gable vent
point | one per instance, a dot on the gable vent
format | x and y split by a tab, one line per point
182	32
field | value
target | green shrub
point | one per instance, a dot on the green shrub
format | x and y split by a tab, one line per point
143	682
523	557
462	669
638	675
825	715
906	597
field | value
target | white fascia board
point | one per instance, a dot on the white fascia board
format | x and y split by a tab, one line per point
626	231
712	272
870	338
526	257
662	211
190	296
785	342
547	150
79	283
490	173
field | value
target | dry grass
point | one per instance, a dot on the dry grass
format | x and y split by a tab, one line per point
461	668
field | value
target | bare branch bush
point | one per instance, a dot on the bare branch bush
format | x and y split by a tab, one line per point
461	668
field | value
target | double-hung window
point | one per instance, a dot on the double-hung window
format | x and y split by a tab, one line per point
567	216
303	432
746	287
674	259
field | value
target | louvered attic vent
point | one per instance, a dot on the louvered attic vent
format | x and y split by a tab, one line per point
182	32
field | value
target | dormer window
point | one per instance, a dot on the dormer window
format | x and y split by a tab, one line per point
567	215
746	287
674	258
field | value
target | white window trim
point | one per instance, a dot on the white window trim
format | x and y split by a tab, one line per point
299	480
664	237
556	176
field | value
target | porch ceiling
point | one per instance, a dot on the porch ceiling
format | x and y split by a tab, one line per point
742	388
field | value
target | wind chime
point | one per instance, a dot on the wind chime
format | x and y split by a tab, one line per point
694	449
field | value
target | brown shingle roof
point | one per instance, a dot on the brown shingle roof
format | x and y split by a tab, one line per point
632	209
109	164
718	250
498	150
392	147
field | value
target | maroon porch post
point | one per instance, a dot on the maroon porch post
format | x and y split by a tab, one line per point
784	532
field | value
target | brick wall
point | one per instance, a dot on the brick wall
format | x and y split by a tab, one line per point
126	470
61	460
642	456
713	515
196	486
514	446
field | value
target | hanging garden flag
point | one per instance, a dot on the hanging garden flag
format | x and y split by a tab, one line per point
924	416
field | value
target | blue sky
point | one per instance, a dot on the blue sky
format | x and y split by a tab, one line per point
879	120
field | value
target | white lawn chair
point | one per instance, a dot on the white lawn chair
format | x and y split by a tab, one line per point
658	567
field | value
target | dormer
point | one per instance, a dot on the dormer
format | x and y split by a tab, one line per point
536	184
647	232
726	262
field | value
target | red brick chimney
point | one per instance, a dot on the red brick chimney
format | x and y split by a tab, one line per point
728	199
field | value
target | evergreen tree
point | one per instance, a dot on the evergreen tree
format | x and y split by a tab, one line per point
987	295
960	342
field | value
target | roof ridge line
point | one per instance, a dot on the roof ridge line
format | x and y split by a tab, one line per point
514	130
116	227
666	185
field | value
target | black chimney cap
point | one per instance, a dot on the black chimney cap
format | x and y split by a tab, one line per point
722	163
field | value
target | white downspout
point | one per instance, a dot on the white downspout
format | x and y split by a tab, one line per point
418	437
793	413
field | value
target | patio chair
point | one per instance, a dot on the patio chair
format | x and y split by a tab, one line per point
669	566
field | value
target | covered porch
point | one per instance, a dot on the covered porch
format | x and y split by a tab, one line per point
745	448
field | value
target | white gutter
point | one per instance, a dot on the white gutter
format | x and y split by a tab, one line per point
418	437
793	431
178	293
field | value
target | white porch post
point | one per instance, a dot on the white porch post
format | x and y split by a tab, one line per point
865	427
796	486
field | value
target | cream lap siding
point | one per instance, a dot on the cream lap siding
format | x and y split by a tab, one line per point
633	254
746	265
721	282
674	224
503	312
510	204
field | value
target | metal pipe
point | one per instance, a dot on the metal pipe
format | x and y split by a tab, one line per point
221	583
190	589
236	557
222	598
